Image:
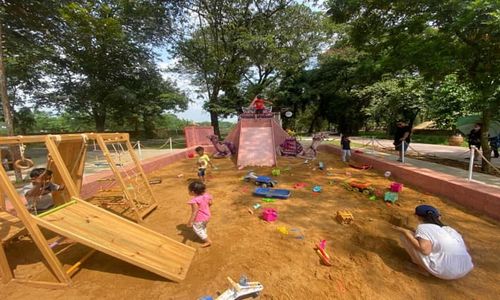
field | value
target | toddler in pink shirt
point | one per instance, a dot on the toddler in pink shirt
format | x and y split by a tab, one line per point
200	210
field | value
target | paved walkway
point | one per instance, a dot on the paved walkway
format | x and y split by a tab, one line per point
441	151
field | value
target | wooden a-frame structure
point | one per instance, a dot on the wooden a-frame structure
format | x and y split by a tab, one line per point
83	222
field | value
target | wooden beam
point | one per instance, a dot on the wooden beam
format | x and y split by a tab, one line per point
72	270
61	167
42	284
109	137
32	227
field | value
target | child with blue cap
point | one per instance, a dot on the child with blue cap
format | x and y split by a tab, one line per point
434	247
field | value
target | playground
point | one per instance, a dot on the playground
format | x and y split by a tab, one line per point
367	261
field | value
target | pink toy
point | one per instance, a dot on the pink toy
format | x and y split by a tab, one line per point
396	187
269	215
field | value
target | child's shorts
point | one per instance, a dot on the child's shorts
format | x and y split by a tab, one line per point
201	172
200	228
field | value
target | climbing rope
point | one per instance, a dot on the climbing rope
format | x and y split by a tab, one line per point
487	161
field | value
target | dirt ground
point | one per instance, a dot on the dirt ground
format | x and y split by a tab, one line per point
368	262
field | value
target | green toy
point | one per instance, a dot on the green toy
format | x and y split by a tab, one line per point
391	197
268	200
276	172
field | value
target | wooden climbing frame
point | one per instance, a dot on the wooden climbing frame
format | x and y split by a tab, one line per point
82	222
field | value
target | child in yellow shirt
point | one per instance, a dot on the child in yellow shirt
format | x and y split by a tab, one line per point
203	162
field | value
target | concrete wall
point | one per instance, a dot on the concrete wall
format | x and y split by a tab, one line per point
482	198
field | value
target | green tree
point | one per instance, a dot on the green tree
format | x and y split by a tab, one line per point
104	59
394	97
84	52
331	90
238	48
24	120
437	38
450	100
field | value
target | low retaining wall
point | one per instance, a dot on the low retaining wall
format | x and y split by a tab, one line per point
92	184
482	198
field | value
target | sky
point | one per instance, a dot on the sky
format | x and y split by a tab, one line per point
195	110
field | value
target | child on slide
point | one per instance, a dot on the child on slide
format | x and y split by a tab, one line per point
200	210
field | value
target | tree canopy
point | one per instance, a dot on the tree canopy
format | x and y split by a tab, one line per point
240	48
90	57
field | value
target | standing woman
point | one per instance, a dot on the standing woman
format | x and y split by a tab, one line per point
436	248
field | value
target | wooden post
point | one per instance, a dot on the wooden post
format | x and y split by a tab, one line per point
5	270
2	201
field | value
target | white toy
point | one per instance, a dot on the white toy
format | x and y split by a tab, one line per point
243	288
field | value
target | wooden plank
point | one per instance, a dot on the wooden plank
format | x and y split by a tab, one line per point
120	238
77	173
61	166
11	226
36	234
73	153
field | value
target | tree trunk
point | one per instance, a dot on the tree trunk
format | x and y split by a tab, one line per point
100	122
313	123
149	127
214	116
214	120
7	112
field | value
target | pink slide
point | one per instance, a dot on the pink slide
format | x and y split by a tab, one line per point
256	141
256	145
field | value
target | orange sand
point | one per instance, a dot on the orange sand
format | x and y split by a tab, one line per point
368	262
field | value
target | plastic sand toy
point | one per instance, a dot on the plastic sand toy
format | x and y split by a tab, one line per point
241	289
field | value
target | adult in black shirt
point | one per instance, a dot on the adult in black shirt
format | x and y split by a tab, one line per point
475	136
403	132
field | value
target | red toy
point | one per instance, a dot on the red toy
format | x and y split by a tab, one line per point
320	250
299	185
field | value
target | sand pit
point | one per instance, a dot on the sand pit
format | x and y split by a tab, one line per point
368	263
